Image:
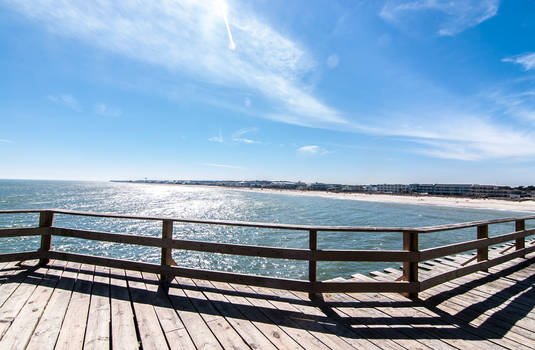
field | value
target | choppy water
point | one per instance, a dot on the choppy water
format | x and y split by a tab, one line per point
225	204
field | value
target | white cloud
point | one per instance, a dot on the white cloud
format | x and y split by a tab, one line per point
65	100
191	37
5	141
217	165
218	138
462	136
449	16
527	60
332	61
107	111
311	150
238	136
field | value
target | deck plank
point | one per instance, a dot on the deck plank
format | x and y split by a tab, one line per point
200	333
11	277
475	340
271	331
150	331
47	331
71	335
172	326
68	306
97	333
25	282
224	332
19	333
250	334
123	328
301	336
462	329
305	319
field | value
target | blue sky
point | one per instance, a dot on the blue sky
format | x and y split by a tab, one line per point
334	91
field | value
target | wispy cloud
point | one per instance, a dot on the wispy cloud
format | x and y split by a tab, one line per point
527	60
469	137
5	141
517	105
238	136
311	150
449	16
107	111
192	38
65	100
218	138
217	165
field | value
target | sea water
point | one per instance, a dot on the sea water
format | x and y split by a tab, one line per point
183	201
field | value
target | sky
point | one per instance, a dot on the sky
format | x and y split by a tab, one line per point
353	92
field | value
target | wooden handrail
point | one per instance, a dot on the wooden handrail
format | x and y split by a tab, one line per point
410	256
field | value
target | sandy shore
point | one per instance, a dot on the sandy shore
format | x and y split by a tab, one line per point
496	204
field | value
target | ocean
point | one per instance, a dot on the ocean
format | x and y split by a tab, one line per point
184	201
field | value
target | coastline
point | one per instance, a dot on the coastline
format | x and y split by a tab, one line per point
458	202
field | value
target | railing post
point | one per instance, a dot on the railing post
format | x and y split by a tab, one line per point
46	219
483	253
520	243
312	264
167	234
410	268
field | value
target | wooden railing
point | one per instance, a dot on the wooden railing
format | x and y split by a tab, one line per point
410	256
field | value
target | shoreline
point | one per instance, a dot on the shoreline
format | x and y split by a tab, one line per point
527	206
458	202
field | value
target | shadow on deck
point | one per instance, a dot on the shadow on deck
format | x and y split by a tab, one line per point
69	305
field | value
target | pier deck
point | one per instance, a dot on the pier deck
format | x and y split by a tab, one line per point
67	305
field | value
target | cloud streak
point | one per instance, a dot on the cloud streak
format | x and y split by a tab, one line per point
226	166
192	38
238	136
462	136
105	110
311	150
65	100
451	17
526	60
218	138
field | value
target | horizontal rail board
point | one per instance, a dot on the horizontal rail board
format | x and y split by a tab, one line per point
365	255
213	247
466	270
20	256
260	281
425	229
245	250
23	231
449	227
218	222
437	252
252	280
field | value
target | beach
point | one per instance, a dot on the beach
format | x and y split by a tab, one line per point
458	202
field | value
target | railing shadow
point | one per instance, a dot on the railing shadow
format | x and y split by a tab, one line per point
326	317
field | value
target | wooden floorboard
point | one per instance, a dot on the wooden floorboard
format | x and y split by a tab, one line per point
73	306
123	328
72	332
47	331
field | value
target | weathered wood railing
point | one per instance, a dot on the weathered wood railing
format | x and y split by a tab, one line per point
410	256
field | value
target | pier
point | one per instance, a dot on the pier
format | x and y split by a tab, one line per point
478	293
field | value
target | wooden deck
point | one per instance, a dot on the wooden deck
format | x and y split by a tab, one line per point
67	305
